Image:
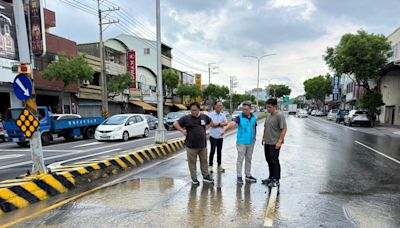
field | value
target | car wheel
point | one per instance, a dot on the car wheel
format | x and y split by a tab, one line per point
155	126
125	136
46	139
350	124
146	132
89	133
22	144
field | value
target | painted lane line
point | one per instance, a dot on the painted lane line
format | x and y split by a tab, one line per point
378	152
59	164
8	156
16	150
88	144
270	214
73	153
68	200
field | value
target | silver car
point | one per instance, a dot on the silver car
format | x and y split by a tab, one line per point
357	117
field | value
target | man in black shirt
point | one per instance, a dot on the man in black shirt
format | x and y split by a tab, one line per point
194	127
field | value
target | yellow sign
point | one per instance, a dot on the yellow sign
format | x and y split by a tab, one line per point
197	79
27	123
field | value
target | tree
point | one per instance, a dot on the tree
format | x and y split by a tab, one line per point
68	70
278	89
216	92
117	84
237	99
318	87
170	79
362	56
192	91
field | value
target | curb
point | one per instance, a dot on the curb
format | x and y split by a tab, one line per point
20	193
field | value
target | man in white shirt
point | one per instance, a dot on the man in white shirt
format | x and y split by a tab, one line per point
216	139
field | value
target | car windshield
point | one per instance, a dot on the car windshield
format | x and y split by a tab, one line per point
361	112
237	112
115	120
175	115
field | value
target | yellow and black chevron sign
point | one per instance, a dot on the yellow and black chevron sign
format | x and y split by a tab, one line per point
27	123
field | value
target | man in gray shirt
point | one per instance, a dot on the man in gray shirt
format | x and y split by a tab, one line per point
273	138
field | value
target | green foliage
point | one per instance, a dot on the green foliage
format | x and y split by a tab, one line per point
216	92
170	79
318	87
119	83
362	55
239	98
191	91
279	89
68	70
296	102
370	100
262	103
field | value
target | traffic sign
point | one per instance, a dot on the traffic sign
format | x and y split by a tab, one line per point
27	123
22	87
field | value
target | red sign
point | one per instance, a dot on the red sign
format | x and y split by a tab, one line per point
132	66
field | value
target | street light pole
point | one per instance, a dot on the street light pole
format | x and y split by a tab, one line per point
258	71
160	136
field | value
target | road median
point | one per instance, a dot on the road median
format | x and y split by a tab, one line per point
21	192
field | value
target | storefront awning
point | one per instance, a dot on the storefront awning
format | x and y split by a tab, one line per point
144	105
181	106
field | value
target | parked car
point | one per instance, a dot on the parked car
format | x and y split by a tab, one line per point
65	116
302	113
2	132
340	115
319	113
171	118
235	114
314	112
357	117
228	116
152	121
332	114
122	127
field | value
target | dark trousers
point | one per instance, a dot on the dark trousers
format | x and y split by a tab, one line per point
215	143
272	157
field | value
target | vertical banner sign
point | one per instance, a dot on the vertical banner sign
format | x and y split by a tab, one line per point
132	67
335	89
37	28
8	37
197	79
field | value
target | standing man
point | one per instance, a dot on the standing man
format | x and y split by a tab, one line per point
246	136
193	126
216	140
274	134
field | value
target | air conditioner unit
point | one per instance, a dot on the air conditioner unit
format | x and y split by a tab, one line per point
85	82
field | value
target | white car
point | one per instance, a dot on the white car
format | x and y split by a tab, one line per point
332	114
319	113
302	113
357	117
314	112
122	127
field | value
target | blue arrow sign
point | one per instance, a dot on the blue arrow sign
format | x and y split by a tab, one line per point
22	87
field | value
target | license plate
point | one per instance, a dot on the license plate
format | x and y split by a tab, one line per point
15	139
104	136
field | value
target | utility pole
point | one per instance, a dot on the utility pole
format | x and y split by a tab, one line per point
232	85
160	136
103	78
211	66
258	71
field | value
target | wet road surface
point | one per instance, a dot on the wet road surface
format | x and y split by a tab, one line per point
328	180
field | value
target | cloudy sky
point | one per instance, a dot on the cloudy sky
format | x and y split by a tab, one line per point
223	31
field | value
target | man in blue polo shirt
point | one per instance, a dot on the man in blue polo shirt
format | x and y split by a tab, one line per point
246	136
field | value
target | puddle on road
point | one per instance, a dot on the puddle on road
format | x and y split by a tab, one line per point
162	202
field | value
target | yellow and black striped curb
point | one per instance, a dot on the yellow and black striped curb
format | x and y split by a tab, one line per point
19	193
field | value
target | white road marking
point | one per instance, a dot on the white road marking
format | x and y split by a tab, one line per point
26	150
88	144
270	214
378	152
78	152
333	123
8	156
59	164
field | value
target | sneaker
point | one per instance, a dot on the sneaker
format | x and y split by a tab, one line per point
266	181
208	179
195	181
220	169
273	183
239	180
210	169
251	179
